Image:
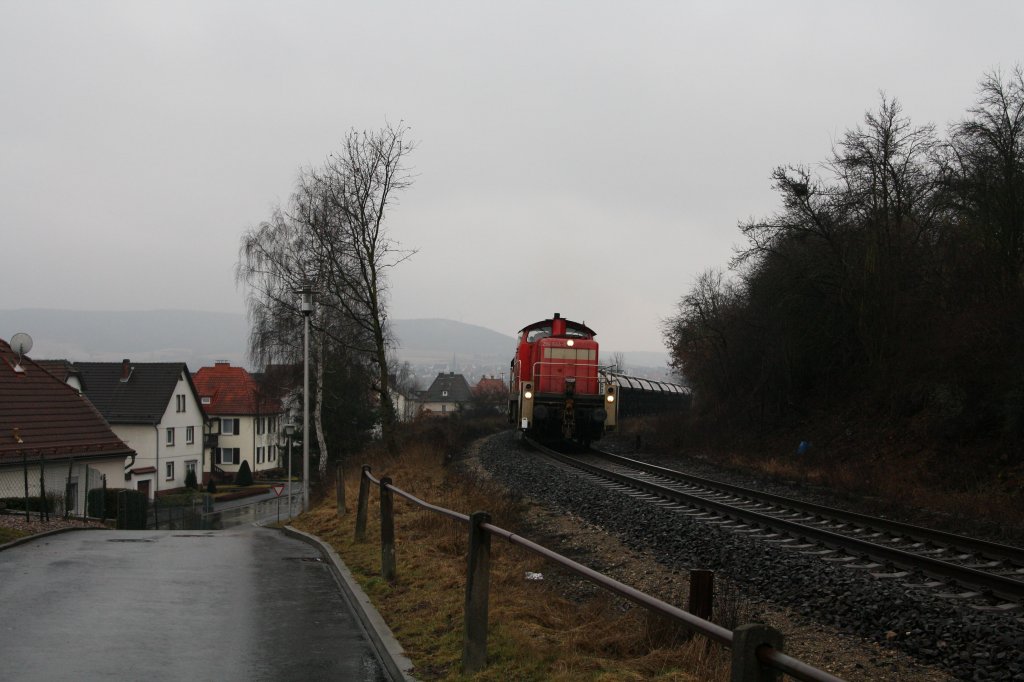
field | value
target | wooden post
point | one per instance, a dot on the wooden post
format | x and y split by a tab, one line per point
387	531
364	502
702	593
746	640
478	577
339	487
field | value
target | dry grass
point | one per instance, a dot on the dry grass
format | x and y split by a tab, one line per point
536	633
901	472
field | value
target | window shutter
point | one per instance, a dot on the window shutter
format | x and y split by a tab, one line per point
236	456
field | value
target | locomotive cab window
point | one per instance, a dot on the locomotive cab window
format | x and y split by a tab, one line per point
539	333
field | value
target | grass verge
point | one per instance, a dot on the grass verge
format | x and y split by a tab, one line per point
536	632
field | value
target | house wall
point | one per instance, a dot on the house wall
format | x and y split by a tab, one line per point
248	440
142	438
182	451
85	475
151	447
436	408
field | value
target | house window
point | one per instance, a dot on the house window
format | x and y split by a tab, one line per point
444	394
259	455
273	453
261	426
444	408
205	400
228	455
170	471
190	434
190	466
179	402
170	437
229	427
273	424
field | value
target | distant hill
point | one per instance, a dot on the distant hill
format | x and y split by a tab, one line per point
201	338
435	341
194	337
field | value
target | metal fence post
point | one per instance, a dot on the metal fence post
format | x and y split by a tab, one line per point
702	593
339	486
387	531
24	464
364	501
43	507
474	628
746	640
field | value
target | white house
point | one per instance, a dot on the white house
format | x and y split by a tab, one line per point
154	408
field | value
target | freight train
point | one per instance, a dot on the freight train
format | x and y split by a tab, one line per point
556	389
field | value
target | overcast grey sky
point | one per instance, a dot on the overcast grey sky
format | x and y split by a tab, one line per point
589	158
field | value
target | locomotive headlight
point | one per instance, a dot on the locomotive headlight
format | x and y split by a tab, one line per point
610	398
528	394
570	343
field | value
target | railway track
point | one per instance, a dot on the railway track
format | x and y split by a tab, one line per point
985	575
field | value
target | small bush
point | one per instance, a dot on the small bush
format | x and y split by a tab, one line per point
190	480
244	475
102	506
18	503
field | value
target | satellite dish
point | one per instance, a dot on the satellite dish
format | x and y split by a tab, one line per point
21	343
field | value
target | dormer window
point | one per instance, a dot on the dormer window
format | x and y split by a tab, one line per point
205	400
444	394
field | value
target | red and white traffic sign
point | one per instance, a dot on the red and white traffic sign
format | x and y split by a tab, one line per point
278	488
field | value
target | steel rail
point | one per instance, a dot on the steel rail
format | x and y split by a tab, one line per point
992	550
1006	588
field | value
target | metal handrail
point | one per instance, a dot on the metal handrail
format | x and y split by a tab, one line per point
766	654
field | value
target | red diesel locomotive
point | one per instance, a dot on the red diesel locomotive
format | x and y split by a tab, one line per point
555	389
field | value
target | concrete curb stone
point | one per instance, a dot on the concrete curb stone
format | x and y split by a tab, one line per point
389	650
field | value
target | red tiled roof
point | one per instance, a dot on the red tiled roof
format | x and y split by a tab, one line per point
489	385
232	390
40	415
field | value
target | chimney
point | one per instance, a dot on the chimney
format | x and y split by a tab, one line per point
126	370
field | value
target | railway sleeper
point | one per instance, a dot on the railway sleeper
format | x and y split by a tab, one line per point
961	595
1003	607
894	574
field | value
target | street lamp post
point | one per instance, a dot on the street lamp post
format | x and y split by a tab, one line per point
307	309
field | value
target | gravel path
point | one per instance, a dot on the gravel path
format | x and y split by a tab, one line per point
34	527
970	644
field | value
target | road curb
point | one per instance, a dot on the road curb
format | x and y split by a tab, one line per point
45	534
389	650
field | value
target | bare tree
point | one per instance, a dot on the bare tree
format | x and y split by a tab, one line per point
343	207
618	362
987	173
332	237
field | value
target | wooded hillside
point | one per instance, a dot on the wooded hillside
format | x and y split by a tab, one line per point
888	285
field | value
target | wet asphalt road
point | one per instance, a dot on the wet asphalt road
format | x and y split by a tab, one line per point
240	604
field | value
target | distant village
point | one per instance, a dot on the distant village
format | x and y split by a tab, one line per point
159	427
